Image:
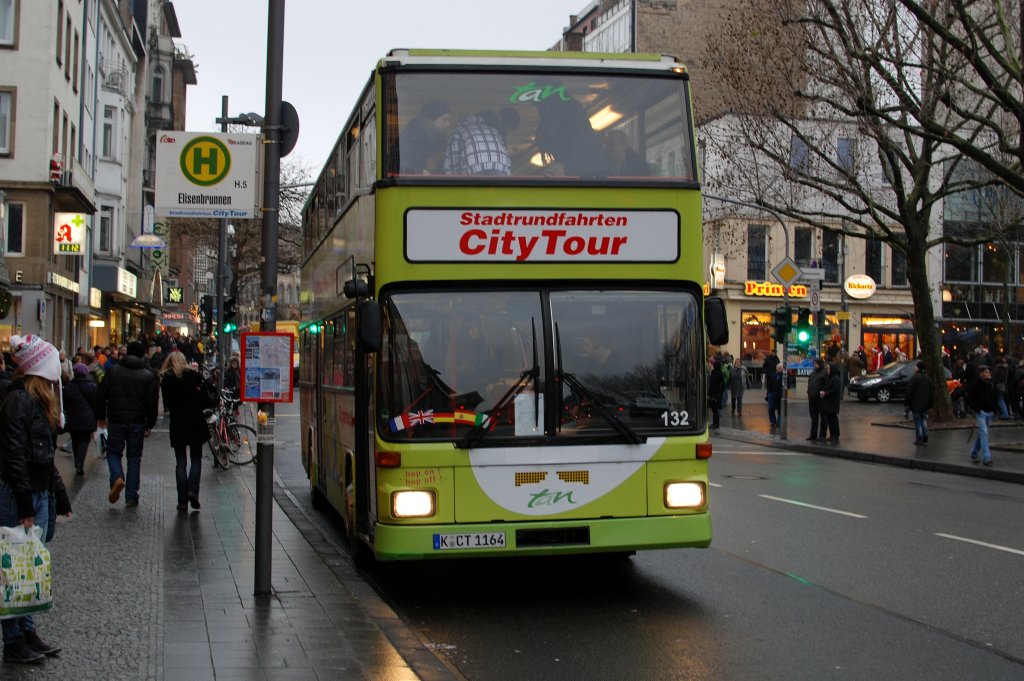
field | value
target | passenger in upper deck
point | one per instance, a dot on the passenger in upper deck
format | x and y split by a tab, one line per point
565	136
424	138
478	145
624	160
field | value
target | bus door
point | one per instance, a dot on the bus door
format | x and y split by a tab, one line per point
366	470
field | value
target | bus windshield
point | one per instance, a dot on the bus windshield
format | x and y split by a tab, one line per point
505	125
623	363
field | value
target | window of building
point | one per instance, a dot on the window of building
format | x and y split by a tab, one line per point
845	150
107	145
803	246
873	260
899	268
106	224
158	85
72	149
830	246
64	138
996	264
60	29
799	156
6	122
757	252
67	48
74	71
56	127
755	336
961	263
8	14
15	229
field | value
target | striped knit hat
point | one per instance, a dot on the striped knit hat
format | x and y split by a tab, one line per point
36	357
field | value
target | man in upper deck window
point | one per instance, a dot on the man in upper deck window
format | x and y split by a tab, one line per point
477	145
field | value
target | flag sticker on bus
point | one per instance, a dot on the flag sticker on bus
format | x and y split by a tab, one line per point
510	235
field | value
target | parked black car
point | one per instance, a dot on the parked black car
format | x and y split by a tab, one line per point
888	383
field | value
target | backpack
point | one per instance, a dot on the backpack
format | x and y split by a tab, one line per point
207	394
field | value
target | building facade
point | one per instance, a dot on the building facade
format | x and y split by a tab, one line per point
76	82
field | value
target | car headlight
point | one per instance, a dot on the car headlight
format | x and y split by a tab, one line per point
412	503
684	494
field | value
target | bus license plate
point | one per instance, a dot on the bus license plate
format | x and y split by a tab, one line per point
478	540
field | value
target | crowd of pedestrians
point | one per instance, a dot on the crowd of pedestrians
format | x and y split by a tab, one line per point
114	389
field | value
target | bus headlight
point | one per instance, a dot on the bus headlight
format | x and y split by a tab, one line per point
412	503
684	494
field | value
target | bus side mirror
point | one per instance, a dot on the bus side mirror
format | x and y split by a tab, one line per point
714	319
369	326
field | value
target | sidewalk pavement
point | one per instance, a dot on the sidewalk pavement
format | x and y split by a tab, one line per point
878	433
155	593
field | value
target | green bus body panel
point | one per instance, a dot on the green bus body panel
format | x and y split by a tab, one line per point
416	542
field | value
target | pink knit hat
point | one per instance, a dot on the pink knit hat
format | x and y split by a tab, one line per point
36	357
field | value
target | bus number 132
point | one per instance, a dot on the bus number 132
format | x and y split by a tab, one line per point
675	418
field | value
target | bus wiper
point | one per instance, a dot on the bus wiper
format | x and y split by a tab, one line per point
614	421
477	432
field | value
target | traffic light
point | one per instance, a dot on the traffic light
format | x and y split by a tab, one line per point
781	321
803	327
207	310
230	315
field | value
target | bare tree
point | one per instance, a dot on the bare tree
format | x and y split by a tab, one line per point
985	94
825	138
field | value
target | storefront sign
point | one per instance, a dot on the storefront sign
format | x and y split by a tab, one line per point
860	286
769	290
127	283
68	233
95	298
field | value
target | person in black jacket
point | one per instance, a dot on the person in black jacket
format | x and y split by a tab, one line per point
981	395
716	384
233	377
773	384
918	401
128	399
815	384
181	387
831	396
80	413
29	418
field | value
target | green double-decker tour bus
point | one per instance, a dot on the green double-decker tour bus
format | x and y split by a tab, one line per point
504	340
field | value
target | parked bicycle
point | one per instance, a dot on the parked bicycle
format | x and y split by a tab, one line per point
230	441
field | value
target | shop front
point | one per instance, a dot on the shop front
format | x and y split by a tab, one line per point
893	331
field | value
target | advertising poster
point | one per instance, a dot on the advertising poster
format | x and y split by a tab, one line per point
267	366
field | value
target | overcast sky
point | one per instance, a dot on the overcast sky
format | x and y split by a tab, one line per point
330	47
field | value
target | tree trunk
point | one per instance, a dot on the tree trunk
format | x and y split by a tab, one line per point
928	334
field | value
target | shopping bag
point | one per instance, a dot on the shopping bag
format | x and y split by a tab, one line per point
101	443
25	580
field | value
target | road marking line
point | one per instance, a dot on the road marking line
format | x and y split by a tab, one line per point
818	508
713	484
980	543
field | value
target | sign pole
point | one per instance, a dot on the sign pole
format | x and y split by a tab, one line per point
272	129
222	273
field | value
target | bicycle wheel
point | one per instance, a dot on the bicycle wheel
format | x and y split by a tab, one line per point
220	459
241	443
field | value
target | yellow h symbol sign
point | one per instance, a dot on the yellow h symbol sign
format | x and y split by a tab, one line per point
205	161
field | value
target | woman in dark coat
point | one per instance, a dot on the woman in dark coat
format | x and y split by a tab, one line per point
29	418
80	413
182	387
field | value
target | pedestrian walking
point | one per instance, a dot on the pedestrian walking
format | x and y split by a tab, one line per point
815	387
126	405
981	395
773	394
918	401
80	413
854	366
737	386
181	387
831	397
716	383
30	416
